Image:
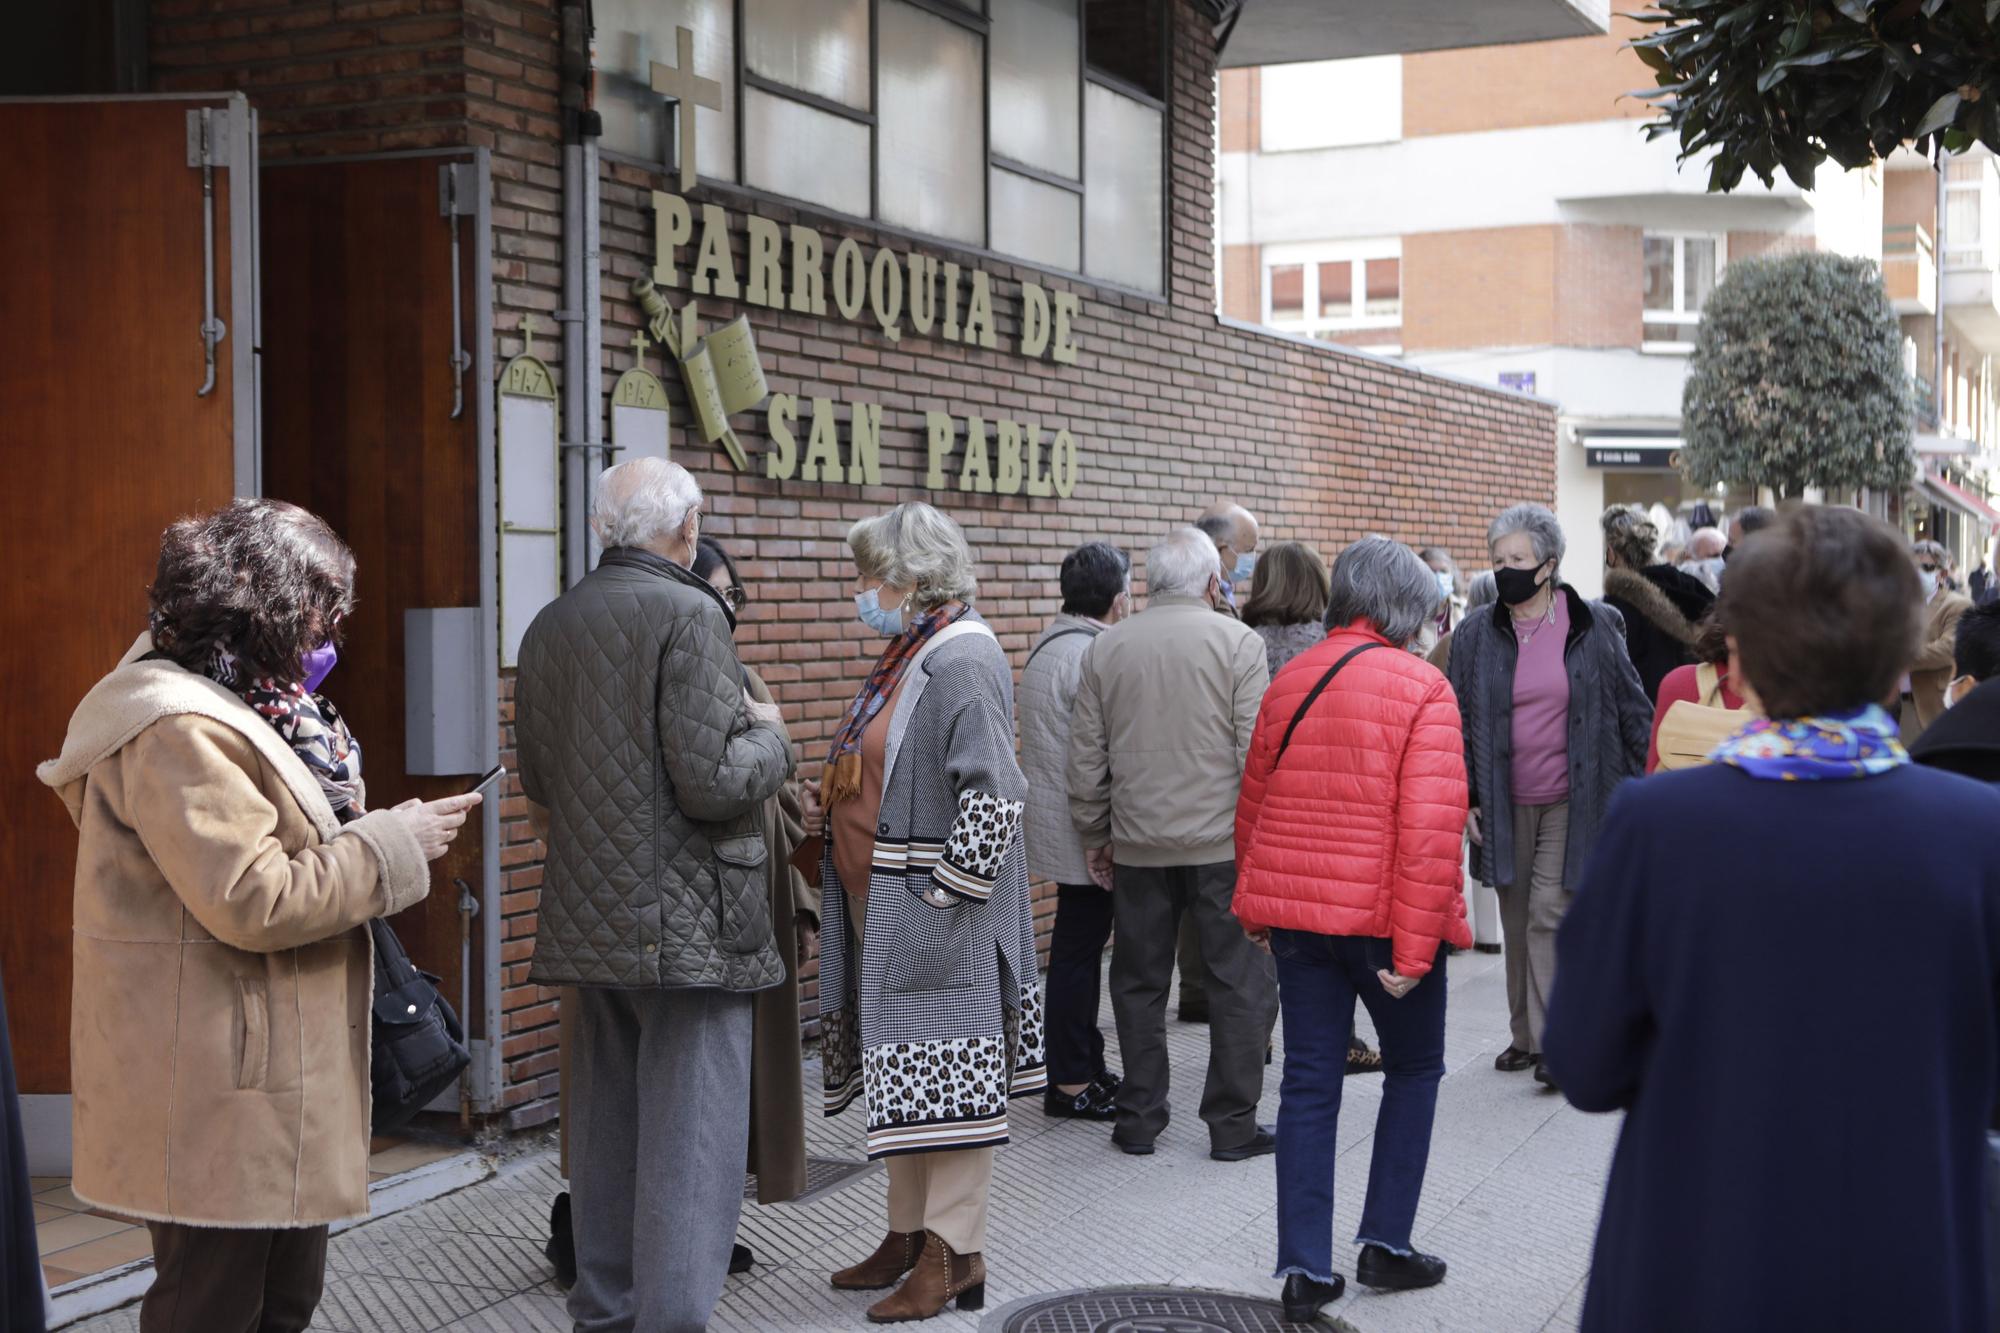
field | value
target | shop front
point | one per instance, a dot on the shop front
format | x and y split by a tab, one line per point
428	275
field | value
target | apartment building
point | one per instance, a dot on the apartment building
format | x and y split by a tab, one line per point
1497	214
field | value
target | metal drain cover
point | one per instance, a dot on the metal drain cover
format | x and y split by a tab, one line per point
1147	1310
824	1175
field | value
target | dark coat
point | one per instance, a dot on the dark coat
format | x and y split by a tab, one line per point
21	1307
1610	717
1965	739
1790	1123
1663	610
632	730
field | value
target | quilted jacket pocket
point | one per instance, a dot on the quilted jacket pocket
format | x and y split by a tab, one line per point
253	1059
743	894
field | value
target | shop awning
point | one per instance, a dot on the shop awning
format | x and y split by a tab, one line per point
1279	32
1965	502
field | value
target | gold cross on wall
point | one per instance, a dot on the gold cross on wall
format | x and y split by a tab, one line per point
640	342
528	333
680	86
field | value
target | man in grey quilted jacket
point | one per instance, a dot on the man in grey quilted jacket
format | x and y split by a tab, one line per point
636	735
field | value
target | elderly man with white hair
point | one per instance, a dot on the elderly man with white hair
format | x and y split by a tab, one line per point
653	765
1166	702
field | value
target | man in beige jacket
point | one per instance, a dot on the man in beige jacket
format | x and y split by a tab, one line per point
1931	672
1165	706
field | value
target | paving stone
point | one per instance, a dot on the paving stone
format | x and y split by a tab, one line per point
1511	1201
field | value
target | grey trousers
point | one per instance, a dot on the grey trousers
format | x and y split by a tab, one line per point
1148	903
1531	911
660	1131
1194	972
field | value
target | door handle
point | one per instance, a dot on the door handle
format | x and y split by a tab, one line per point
202	129
453	207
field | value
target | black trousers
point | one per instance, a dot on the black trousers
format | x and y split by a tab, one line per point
1147	907
224	1280
1076	974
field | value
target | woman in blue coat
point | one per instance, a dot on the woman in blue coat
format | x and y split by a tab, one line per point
1802	1032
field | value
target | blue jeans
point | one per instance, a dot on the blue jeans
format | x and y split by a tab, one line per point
1319	977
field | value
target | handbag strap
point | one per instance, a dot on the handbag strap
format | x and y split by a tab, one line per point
1073	629
1314	694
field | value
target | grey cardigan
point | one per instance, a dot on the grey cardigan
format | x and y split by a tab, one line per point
937	1015
631	726
1610	723
1047	700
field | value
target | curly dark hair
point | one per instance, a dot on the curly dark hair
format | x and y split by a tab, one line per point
264	581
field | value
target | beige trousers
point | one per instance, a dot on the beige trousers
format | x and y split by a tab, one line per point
1531	911
946	1192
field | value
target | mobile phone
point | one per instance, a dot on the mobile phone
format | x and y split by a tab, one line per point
492	779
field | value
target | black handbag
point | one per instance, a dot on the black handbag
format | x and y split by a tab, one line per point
418	1047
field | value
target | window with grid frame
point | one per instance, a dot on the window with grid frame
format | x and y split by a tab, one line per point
1350	293
1678	271
1031	128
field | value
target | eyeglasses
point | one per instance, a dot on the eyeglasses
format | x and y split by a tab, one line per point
1928	568
735	596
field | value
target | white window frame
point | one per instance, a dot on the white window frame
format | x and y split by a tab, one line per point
1354	253
1691	320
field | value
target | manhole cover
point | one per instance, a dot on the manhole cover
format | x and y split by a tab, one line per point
824	1175
1148	1310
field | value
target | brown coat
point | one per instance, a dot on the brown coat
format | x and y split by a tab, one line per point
1932	670
219	1029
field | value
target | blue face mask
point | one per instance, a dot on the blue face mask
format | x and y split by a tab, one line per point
1246	563
868	605
1444	584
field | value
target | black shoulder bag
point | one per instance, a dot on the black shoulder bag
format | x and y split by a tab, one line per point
1313	694
419	1046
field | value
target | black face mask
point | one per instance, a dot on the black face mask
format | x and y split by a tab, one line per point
1517	585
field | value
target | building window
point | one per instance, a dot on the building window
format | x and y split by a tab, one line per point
1969	214
967	120
1680	271
1350	293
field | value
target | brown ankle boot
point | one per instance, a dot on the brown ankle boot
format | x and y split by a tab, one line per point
939	1276
895	1256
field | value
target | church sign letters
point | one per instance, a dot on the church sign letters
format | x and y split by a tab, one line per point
790	269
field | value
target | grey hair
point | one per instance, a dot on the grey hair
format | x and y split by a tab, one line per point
1544	533
1182	563
1384	583
917	547
641	501
1935	550
1482	589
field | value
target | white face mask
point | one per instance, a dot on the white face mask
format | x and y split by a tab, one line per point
1929	578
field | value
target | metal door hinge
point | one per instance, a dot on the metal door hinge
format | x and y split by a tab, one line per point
208	137
458	190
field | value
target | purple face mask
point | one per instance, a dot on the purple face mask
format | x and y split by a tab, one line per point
318	664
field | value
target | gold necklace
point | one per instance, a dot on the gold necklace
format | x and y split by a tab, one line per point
1547	618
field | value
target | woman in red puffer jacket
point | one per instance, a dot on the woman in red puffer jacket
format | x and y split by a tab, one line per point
1348	870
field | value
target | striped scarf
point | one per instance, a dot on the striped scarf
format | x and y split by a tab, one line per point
842	778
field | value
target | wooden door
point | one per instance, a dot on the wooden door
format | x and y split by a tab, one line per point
359	392
106	441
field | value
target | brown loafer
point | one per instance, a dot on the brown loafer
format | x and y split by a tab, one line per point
895	1256
939	1278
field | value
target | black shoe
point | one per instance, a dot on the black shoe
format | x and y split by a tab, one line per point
1090	1104
1261	1144
1108	1082
1545	1078
1131	1149
1386	1271
1513	1060
561	1249
1193	1013
1304	1297
740	1258
1487	948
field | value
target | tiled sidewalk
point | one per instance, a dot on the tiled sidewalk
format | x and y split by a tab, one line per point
1511	1202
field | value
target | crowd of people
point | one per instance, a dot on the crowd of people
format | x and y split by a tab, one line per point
1281	778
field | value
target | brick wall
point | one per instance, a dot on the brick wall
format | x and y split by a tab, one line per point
1534	83
1241	120
1243	282
1484	288
1910	198
1599	293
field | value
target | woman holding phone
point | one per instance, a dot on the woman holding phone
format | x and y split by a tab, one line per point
227	866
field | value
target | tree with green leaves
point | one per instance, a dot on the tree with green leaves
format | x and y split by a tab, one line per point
1770	85
1797	380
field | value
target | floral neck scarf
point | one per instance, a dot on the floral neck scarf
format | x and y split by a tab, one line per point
842	778
1809	749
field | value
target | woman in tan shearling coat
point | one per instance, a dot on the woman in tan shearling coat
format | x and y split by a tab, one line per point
225	871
